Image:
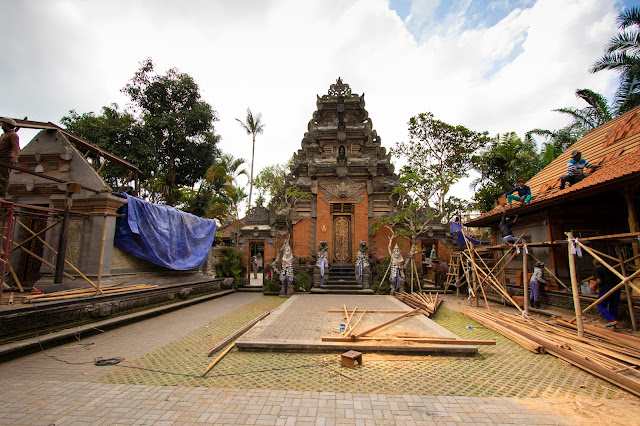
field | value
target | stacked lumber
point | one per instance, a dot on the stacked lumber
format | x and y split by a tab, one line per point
612	356
85	292
427	303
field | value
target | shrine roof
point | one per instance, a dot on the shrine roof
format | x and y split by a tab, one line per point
615	146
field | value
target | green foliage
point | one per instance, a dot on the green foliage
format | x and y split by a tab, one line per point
302	282
506	159
438	155
230	265
622	54
179	125
272	286
272	182
119	133
379	272
168	133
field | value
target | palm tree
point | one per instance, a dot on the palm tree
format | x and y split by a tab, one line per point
224	174
253	126
588	118
622	54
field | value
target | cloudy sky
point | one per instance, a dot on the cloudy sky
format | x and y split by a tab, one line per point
495	65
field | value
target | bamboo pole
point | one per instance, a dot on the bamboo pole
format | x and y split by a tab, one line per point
470	247
609	267
15	278
574	286
628	290
525	278
102	242
237	334
213	364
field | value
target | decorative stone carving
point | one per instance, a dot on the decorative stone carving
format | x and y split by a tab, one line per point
343	188
322	262
363	271
339	89
258	215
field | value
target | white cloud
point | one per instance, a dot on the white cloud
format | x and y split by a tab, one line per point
276	56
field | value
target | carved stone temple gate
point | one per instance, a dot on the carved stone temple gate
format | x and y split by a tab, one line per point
349	176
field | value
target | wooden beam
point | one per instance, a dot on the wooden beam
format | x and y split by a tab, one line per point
430	340
574	286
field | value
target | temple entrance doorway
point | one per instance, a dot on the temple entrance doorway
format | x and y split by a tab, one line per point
342	239
256	262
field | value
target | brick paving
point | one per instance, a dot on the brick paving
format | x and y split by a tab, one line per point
496	386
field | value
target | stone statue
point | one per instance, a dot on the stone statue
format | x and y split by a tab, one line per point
286	271
397	271
342	157
362	263
323	259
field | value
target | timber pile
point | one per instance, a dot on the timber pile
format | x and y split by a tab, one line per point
85	292
612	356
427	303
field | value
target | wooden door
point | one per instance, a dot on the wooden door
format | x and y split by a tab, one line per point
342	239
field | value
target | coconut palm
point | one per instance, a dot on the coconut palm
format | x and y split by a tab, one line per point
253	126
588	118
622	54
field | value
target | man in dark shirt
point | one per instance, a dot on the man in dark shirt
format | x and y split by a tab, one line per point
9	152
505	227
605	281
524	193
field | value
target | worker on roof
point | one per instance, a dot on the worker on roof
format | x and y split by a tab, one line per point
524	193
575	169
9	152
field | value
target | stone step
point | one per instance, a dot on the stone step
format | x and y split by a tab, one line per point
250	288
342	287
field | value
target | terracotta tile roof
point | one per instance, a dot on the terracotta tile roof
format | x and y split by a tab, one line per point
614	145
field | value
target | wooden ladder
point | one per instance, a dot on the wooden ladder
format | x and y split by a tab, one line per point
454	271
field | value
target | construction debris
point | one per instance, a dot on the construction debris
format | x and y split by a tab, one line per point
611	356
426	303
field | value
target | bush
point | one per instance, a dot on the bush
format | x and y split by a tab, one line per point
301	282
378	273
272	286
230	265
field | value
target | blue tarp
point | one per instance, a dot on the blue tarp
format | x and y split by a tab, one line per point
164	235
456	227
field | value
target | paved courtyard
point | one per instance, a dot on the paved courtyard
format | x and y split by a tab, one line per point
159	381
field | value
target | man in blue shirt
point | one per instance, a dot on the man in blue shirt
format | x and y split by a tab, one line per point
524	193
575	169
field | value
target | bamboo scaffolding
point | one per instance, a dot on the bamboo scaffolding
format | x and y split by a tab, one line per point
55	252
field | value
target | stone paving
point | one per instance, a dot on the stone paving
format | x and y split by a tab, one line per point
159	383
314	320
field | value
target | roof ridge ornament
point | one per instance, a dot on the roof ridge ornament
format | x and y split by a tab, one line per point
339	89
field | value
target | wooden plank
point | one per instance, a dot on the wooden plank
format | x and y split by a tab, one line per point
430	340
236	335
391	321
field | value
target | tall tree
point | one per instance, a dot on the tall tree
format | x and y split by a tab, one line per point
622	54
506	159
253	126
179	125
437	155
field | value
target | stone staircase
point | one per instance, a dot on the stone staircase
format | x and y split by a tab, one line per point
341	279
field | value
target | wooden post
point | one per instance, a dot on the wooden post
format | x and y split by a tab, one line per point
633	227
474	279
627	288
62	243
104	236
525	277
574	287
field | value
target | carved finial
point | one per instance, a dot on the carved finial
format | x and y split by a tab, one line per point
339	89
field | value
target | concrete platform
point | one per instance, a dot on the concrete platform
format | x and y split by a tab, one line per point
301	322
